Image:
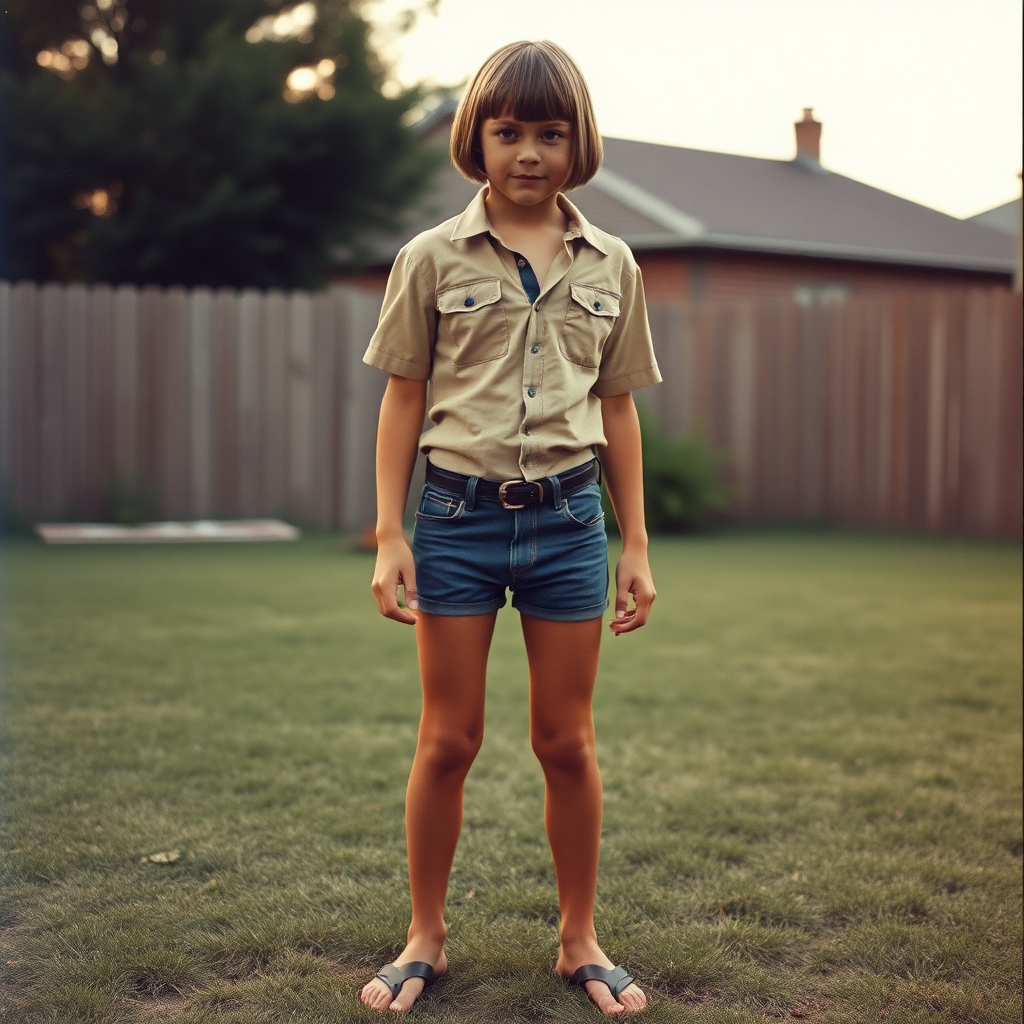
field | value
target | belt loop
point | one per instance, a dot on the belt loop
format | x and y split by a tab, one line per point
471	493
600	471
556	490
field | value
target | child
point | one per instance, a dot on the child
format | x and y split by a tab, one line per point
529	325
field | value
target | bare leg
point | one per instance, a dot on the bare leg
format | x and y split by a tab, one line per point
453	665
563	660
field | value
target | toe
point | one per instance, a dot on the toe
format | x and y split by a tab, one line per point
602	996
633	998
408	995
381	997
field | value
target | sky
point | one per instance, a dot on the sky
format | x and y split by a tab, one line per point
921	98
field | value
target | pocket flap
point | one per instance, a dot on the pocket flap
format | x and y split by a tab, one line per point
596	300
467	298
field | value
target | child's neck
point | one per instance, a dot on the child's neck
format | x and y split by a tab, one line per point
536	232
506	215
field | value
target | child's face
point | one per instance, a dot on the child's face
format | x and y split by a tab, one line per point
527	161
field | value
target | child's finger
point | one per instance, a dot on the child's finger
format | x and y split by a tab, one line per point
622	598
385	592
393	610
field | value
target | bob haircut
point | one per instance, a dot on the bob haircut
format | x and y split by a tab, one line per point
536	82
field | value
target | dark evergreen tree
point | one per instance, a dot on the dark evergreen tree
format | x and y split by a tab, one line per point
221	142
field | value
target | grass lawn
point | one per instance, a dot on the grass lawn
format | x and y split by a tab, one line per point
811	759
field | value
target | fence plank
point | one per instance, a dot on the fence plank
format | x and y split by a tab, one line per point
199	399
151	312
83	501
126	384
323	444
100	399
275	402
174	421
6	386
250	403
300	407
52	335
224	450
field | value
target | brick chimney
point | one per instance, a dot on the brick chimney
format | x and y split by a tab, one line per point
808	137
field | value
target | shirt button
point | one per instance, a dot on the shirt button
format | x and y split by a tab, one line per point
469	302
535	349
597	305
522	263
532	392
537	306
526	430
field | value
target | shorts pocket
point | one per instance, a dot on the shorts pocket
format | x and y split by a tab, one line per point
439	506
588	322
473	314
583	508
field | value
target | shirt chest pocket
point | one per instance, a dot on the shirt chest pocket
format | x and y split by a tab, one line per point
473	315
588	322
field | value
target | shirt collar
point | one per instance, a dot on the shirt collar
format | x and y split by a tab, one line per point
473	221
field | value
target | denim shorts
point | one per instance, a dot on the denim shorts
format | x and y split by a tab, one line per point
553	557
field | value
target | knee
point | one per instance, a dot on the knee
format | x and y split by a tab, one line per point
449	752
569	751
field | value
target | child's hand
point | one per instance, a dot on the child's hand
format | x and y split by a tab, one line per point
632	576
395	567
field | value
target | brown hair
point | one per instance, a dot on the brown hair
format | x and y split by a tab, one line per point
536	82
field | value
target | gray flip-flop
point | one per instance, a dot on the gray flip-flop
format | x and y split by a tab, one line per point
395	977
617	978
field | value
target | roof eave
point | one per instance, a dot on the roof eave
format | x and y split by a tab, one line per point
790	247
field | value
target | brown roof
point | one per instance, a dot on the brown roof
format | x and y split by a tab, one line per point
670	197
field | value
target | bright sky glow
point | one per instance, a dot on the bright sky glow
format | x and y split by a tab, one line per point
919	97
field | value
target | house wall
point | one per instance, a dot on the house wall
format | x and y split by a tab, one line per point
728	276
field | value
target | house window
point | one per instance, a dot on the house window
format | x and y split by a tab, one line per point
820	293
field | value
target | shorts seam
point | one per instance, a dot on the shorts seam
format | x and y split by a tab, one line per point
452	608
561	614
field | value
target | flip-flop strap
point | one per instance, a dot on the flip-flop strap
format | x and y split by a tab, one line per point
395	977
616	979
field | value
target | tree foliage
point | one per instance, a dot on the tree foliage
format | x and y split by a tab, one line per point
163	141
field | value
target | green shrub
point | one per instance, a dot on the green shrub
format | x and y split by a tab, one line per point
683	479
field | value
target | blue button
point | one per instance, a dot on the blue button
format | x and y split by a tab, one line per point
469	302
535	349
597	305
532	392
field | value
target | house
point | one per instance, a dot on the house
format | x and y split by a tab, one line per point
707	225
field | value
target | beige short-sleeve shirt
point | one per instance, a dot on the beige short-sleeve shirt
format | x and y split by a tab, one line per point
515	386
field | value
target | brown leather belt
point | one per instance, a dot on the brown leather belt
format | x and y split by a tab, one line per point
516	493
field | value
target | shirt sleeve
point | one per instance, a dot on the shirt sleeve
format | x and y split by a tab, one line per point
403	343
628	362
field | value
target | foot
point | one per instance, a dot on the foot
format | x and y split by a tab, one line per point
573	955
378	996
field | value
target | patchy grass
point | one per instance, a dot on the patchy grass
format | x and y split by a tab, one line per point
811	759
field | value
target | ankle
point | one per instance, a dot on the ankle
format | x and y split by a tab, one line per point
432	934
577	938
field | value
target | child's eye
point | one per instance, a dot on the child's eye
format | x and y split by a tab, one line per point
550	136
506	133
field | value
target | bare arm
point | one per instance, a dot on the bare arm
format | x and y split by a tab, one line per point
398	431
623	470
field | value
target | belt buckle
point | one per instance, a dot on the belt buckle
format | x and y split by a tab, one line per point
503	491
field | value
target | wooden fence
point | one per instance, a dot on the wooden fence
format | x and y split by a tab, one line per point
898	412
901	412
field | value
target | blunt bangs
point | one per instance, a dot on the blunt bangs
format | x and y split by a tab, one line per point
526	84
532	81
